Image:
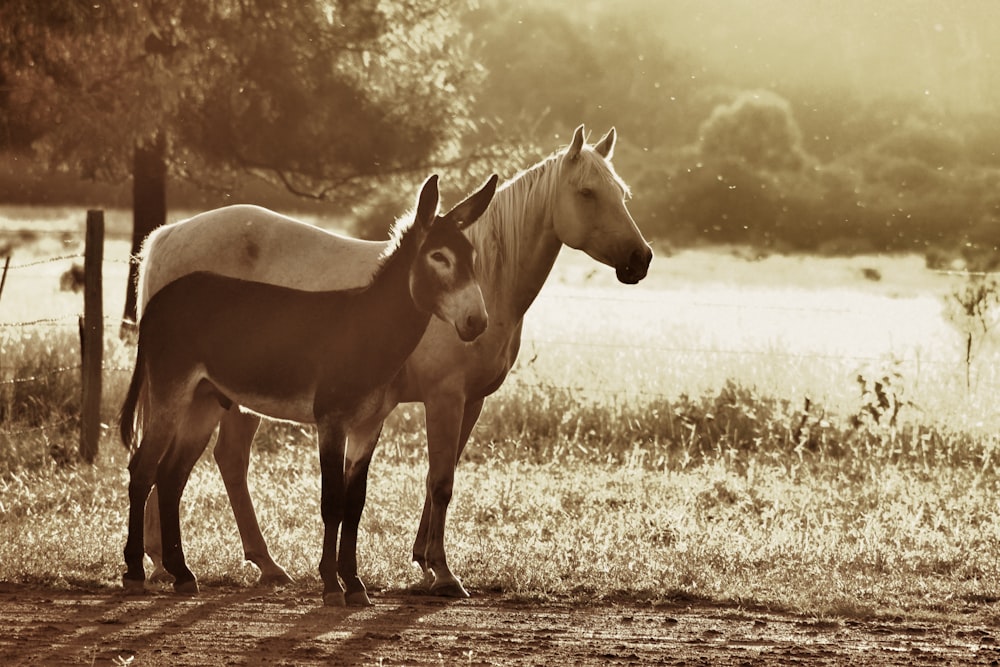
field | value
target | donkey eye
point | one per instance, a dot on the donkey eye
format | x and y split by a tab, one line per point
439	256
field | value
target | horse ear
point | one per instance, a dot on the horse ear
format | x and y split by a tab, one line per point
606	146
427	202
576	145
470	210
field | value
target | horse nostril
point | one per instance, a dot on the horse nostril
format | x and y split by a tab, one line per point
640	259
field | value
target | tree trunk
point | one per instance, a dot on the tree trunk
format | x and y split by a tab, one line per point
149	211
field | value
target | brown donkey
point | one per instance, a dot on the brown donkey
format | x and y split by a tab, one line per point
207	342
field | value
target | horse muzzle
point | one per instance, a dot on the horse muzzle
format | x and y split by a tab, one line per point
636	267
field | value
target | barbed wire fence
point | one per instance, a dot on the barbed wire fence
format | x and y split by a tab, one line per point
93	324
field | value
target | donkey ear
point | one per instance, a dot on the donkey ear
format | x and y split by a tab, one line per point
606	146
427	203
470	210
576	145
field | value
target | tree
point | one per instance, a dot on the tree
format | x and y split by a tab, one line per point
326	98
757	128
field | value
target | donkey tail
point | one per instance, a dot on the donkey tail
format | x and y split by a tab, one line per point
127	416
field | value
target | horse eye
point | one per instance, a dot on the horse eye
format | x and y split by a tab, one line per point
586	192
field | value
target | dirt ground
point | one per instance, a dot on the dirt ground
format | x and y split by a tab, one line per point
231	626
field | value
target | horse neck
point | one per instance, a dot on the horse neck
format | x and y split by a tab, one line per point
516	242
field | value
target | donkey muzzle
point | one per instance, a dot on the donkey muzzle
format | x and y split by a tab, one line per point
472	327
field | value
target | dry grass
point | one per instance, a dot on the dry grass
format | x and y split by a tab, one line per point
653	442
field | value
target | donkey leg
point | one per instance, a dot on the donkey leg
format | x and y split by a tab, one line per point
232	455
142	473
199	422
362	445
447	432
332	445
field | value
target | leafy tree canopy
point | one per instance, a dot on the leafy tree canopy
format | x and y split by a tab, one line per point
318	95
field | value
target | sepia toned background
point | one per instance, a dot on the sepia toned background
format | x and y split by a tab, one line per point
794	412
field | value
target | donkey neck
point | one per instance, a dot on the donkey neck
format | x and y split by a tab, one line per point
388	304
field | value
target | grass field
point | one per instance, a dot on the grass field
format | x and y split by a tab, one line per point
702	434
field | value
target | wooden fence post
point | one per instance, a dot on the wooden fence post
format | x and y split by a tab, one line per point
3	280
92	337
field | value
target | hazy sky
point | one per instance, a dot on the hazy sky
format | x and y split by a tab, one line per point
946	50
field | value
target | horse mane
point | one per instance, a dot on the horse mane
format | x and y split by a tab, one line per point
498	237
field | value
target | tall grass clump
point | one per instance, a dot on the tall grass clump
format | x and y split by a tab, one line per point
734	425
40	392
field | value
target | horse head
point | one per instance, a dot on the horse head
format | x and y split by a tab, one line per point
443	280
590	212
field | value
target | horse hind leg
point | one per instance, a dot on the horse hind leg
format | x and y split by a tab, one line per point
200	421
151	540
232	456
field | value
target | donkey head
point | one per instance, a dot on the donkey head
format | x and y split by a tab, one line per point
590	211
443	280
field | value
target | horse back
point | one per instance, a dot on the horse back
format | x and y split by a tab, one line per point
254	243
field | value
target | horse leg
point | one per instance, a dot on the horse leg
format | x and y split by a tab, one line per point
173	475
232	455
362	445
449	424
143	469
332	444
153	545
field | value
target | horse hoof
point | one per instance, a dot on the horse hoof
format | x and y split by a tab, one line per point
160	575
450	589
186	587
358	599
335	599
279	578
134	586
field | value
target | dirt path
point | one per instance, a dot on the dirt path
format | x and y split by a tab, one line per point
289	627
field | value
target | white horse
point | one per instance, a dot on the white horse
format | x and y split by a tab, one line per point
573	197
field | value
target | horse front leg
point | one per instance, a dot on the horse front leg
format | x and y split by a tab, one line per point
332	446
449	424
232	456
361	446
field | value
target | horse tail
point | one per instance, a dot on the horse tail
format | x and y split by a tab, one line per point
127	416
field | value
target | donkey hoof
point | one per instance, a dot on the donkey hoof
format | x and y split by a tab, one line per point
334	599
133	586
449	589
186	587
358	599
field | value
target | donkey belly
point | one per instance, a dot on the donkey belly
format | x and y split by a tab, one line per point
281	387
297	407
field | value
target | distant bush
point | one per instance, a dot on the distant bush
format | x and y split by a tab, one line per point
747	178
757	129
